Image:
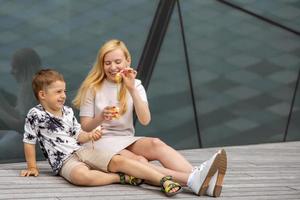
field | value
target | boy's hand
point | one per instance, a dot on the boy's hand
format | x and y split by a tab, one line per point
96	134
30	172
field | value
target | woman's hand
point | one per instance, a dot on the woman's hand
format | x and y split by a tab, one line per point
110	113
128	75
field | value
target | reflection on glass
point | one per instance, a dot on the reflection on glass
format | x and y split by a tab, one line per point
14	105
67	35
243	70
285	12
294	126
169	94
24	64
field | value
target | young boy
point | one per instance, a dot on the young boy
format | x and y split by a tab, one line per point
59	135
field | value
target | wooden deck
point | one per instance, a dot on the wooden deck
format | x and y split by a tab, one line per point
264	171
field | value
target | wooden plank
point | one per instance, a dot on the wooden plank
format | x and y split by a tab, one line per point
264	171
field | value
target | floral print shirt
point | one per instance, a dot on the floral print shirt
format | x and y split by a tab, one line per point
57	136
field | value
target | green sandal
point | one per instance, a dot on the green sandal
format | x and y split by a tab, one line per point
168	189
131	180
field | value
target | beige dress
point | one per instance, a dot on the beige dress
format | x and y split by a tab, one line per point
119	133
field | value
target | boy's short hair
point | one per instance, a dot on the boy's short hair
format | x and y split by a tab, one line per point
43	79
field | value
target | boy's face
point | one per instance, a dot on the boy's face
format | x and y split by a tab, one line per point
114	61
53	97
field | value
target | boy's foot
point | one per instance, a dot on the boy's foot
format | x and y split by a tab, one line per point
201	176
216	182
131	180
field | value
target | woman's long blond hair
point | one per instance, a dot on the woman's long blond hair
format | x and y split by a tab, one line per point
96	76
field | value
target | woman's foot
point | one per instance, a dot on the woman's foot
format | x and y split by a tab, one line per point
169	187
215	185
200	178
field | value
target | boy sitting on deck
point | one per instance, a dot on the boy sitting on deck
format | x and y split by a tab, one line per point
55	127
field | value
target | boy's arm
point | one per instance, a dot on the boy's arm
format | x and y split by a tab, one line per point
83	137
94	135
30	157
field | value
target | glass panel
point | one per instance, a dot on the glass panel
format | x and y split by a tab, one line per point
285	12
64	35
294	127
169	95
244	73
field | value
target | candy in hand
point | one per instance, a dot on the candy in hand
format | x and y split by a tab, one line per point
116	112
98	128
118	77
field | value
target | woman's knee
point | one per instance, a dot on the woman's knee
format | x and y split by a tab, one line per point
157	143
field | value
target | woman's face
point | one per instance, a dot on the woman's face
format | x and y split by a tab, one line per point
113	62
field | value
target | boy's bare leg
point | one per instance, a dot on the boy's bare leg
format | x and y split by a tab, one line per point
155	149
134	168
82	175
180	177
137	169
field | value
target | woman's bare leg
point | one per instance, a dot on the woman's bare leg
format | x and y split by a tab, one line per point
155	149
82	175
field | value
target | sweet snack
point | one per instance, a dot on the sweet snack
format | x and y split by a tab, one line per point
118	77
116	112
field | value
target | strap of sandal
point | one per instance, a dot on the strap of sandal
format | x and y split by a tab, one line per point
170	186
131	179
122	178
164	179
135	181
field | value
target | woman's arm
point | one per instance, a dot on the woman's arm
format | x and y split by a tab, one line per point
141	108
90	123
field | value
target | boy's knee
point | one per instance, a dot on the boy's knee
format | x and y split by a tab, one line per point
80	177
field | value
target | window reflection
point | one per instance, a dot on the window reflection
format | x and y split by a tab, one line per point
14	105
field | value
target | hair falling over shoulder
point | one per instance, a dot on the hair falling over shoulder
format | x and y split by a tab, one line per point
96	76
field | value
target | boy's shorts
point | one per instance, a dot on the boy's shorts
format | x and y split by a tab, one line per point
91	158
